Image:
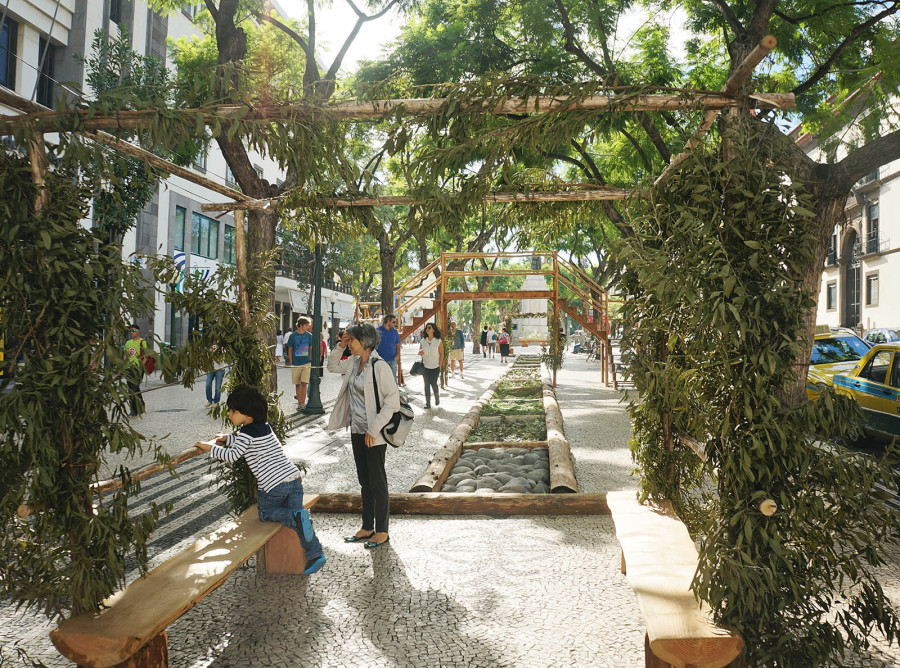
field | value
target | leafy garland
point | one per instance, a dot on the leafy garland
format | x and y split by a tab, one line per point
714	278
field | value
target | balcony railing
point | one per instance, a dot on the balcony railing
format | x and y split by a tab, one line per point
876	244
831	258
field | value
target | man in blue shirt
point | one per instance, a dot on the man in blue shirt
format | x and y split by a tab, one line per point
389	348
457	349
298	346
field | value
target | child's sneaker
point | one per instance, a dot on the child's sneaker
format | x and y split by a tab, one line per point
315	565
302	522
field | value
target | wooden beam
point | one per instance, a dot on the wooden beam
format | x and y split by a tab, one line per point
530	445
79	120
10	99
737	79
598	193
509	294
240	247
455	503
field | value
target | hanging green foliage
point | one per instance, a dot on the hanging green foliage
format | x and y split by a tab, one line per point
220	337
715	299
67	300
553	357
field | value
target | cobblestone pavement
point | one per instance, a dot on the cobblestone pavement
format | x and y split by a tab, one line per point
446	591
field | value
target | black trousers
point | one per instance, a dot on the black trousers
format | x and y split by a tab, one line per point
431	377
133	377
372	483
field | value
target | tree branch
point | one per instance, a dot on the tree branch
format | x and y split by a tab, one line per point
638	148
867	159
854	34
572	46
287	30
730	17
331	76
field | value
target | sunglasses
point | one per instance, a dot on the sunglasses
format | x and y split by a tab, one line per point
135	329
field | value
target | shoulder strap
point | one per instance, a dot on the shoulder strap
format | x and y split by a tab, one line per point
375	381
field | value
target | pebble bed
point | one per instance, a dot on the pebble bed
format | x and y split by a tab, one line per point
489	470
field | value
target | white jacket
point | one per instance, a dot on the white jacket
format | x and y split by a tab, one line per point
388	393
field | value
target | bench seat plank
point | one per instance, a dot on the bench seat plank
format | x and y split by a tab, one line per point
134	616
661	559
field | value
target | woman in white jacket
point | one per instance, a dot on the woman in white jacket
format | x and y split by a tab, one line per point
356	408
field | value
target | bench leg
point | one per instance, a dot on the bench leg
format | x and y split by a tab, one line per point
650	659
155	654
282	554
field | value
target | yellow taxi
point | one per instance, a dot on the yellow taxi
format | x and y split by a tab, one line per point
834	351
874	383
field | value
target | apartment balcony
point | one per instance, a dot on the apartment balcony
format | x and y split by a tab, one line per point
831	258
876	244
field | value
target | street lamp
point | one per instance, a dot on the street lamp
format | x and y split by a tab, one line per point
314	402
333	329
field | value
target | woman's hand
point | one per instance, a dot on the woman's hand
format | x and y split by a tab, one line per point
422	353
370	440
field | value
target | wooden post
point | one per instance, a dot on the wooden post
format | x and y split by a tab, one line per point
554	342
283	554
240	246
154	654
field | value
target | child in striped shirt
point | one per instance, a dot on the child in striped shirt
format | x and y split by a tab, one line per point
280	488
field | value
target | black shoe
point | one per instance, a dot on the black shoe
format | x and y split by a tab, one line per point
357	539
369	544
437	401
427	405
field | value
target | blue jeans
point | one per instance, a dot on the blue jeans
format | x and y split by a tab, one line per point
218	375
280	504
393	364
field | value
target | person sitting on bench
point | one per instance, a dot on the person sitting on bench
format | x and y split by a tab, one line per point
280	488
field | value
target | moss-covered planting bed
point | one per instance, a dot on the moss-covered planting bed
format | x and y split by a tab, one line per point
531	389
518	431
513	407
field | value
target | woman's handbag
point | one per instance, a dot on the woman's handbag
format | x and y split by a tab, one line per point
395	431
416	368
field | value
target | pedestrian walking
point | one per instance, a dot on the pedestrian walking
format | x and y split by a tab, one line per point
215	377
457	349
135	353
504	346
298	351
484	341
280	494
431	348
389	347
279	346
492	341
356	408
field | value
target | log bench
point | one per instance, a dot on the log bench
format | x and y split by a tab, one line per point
130	630
659	558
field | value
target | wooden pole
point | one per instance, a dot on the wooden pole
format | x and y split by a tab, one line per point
240	246
593	195
737	79
79	120
554	342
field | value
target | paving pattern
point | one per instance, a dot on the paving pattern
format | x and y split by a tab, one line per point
446	591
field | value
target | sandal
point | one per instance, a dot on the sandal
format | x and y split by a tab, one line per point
357	539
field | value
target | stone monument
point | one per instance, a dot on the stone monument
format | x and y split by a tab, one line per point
532	329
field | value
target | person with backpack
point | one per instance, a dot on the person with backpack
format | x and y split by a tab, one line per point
504	346
358	408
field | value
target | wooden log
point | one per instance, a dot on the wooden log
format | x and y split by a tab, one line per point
477	445
562	466
88	119
240	252
37	157
454	503
437	471
510	418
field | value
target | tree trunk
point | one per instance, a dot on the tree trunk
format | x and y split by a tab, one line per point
476	326
387	255
261	239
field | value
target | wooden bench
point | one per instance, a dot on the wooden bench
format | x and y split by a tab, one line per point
661	560
131	627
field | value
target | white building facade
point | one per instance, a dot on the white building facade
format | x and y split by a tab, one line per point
862	270
38	40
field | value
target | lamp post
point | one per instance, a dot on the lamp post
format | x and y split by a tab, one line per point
314	402
332	329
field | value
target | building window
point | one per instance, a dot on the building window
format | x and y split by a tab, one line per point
46	54
9	42
115	11
200	160
872	243
832	250
228	253
229	176
180	216
872	289
191	11
258	170
204	236
831	296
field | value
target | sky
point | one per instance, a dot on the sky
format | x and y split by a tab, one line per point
335	21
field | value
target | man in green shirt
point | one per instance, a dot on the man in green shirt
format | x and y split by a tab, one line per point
135	351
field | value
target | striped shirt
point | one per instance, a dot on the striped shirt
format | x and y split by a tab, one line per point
260	447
